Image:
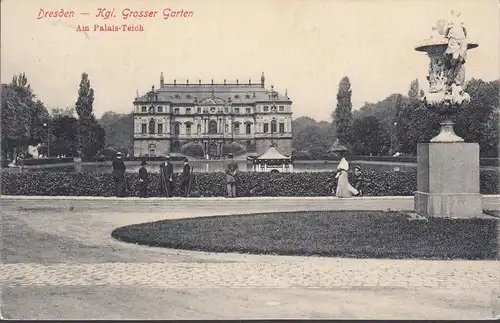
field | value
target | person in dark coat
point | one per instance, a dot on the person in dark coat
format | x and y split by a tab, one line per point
119	175
167	177
358	180
143	180
186	178
231	172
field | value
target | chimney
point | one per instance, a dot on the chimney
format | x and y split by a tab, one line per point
162	80
262	80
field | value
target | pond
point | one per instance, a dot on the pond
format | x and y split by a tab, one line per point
215	166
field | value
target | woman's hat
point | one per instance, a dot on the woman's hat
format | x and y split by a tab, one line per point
185	159
167	157
230	154
144	162
357	167
119	153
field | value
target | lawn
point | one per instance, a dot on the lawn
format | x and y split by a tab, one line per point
355	234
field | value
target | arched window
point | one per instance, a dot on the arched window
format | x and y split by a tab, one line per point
236	128
152	126
188	128
212	127
273	126
248	128
226	128
152	150
177	129
198	128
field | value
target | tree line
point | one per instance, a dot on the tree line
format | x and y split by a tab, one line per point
71	132
394	124
398	123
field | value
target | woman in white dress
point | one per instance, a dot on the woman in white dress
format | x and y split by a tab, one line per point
344	188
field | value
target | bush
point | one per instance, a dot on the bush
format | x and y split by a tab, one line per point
213	184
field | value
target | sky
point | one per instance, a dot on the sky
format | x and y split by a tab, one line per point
302	46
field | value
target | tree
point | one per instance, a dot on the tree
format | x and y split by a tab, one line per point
22	117
119	129
91	136
342	116
310	137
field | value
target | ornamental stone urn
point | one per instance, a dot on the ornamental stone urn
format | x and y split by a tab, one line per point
447	167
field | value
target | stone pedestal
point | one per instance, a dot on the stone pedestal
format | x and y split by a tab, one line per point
448	180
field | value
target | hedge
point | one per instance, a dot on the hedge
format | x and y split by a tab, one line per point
213	184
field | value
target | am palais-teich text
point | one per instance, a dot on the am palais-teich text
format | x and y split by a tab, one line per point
111	13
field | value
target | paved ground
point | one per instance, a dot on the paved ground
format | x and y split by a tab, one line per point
59	262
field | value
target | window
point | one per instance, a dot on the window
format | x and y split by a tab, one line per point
282	127
266	108
198	128
198	110
266	127
226	110
282	108
247	96
177	96
177	129
212	127
249	110
188	110
236	96
188	96
237	129
188	129
160	109
248	129
144	129
226	128
160	128
236	110
144	109
176	110
273	126
152	126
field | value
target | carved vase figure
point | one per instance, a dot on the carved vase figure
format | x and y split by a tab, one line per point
447	167
447	51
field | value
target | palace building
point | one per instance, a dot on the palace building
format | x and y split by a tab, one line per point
212	119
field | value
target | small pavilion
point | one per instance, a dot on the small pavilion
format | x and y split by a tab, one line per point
273	161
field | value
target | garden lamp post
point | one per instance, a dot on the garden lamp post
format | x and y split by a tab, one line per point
46	125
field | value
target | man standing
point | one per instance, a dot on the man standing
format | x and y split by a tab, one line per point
119	175
143	180
167	177
231	171
186	178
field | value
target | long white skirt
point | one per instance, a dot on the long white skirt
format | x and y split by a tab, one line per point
344	188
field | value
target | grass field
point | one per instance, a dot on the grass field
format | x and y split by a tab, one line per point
356	234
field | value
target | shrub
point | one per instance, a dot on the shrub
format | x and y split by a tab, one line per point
213	184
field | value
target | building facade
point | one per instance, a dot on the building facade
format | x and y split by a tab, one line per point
212	119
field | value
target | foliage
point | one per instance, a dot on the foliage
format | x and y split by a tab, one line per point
91	136
342	116
22	118
192	149
213	184
118	129
311	138
359	234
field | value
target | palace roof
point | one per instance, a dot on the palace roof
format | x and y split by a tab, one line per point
213	94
